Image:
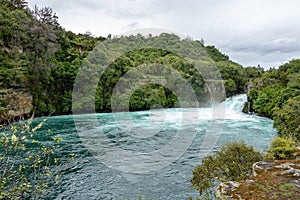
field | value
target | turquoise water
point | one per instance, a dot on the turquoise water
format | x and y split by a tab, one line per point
102	171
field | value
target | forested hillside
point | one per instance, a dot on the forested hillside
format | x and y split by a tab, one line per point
277	95
42	66
40	60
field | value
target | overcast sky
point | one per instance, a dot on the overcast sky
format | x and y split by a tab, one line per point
251	32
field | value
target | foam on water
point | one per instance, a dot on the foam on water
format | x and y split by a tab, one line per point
89	178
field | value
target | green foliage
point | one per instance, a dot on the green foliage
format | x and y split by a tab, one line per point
232	162
268	99
234	76
280	149
39	55
277	95
28	168
151	93
230	86
215	54
287	120
252	72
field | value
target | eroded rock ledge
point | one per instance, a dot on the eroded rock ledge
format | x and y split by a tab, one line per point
17	103
270	180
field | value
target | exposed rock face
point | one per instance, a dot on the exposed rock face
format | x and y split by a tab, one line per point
278	167
18	102
246	107
223	188
297	153
260	167
270	180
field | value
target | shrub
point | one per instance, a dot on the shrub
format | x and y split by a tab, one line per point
280	149
28	168
232	162
287	120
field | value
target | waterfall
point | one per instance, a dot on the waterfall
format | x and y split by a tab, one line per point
160	127
235	104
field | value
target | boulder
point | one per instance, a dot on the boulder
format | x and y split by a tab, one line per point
260	167
223	188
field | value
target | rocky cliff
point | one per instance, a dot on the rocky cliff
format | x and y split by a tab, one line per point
15	103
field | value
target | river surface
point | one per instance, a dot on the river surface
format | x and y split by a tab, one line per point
93	176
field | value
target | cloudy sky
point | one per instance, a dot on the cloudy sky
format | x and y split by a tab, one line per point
250	32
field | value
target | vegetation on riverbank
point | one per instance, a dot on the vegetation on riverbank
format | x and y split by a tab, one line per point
40	61
233	162
276	94
232	169
29	167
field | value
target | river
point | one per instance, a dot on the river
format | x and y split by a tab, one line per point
93	176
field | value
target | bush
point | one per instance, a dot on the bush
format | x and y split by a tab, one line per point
232	162
280	149
268	99
28	168
287	120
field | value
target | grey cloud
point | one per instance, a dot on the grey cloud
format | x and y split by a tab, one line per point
132	25
248	31
125	13
266	47
63	6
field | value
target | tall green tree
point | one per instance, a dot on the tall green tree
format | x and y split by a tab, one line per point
41	49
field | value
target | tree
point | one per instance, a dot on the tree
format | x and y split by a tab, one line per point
230	87
253	72
277	95
41	49
287	121
215	54
15	4
235	72
268	99
232	162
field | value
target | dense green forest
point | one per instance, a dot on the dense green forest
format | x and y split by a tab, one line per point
40	61
40	56
277	95
274	94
